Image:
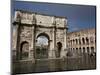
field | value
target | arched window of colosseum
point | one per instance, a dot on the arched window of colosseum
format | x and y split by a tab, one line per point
73	42
76	50
92	49
76	41
91	39
80	41
24	52
88	50
73	50
68	42
83	49
87	40
80	50
83	40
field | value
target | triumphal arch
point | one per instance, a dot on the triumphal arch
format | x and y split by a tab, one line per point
31	25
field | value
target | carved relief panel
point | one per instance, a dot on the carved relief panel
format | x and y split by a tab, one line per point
26	33
60	35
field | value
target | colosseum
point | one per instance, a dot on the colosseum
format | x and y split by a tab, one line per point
83	41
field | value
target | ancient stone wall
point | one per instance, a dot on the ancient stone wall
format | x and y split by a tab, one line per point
82	41
30	25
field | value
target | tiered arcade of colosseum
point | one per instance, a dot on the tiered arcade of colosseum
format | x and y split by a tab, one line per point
82	41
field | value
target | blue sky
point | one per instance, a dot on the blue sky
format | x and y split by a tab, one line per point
79	16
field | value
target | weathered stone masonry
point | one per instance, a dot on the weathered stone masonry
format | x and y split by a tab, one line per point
30	25
83	41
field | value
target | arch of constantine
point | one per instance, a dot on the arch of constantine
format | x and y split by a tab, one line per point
31	25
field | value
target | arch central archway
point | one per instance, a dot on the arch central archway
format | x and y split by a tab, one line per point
42	46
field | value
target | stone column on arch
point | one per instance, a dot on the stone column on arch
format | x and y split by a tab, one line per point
65	38
18	42
54	42
64	51
32	53
17	23
32	48
14	37
52	49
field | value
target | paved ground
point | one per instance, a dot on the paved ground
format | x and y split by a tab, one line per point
49	65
